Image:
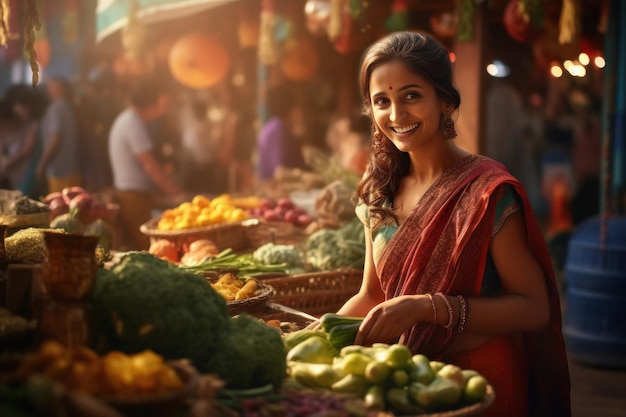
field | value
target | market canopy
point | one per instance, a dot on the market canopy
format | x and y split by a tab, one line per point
112	15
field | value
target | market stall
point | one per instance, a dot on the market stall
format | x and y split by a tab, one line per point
214	317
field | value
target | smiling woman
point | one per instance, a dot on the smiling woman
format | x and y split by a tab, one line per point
456	266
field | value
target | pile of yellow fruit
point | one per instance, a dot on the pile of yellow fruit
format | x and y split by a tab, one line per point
202	211
114	374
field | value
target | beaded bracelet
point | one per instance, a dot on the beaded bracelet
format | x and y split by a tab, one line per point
462	314
449	306
432	302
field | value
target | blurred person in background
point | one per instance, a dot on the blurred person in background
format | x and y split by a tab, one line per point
27	106
505	122
586	156
60	163
101	100
8	139
277	144
138	178
199	147
348	138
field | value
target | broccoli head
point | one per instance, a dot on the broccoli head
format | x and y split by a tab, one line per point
253	355
144	302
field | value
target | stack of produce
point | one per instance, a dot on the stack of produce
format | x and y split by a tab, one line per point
335	205
28	245
114	374
192	253
80	203
387	377
144	302
18	211
77	211
55	380
281	210
331	248
202	211
13	203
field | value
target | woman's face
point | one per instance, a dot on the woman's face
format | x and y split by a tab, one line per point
405	107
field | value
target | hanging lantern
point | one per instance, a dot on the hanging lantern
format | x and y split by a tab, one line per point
198	61
42	47
248	32
300	59
317	14
354	37
517	21
399	18
569	21
444	25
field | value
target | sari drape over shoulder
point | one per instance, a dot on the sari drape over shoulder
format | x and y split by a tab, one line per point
443	245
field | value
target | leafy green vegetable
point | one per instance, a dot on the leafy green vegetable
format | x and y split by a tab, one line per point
328	249
144	302
245	264
253	355
273	253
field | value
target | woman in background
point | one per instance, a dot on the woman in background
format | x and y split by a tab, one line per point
277	146
28	106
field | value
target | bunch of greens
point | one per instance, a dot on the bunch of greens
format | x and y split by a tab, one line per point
344	247
245	264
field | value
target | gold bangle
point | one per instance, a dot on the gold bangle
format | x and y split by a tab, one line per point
432	302
450	313
462	314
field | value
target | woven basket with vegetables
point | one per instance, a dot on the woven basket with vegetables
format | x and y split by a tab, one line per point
388	377
315	292
218	219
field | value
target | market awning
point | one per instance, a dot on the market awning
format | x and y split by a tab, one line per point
112	15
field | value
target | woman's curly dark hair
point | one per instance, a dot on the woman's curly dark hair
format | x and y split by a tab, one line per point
386	166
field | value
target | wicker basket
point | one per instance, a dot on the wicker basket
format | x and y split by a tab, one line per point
228	235
315	293
280	233
273	311
470	410
154	405
252	305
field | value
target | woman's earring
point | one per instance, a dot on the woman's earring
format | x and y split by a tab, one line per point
447	126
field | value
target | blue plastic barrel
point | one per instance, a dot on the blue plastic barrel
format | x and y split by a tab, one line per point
594	325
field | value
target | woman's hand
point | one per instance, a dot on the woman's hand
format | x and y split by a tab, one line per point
386	322
314	325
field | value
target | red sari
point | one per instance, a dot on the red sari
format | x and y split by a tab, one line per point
443	245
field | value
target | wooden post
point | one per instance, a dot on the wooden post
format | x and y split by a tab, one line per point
469	80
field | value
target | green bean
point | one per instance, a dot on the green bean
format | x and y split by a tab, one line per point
244	264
